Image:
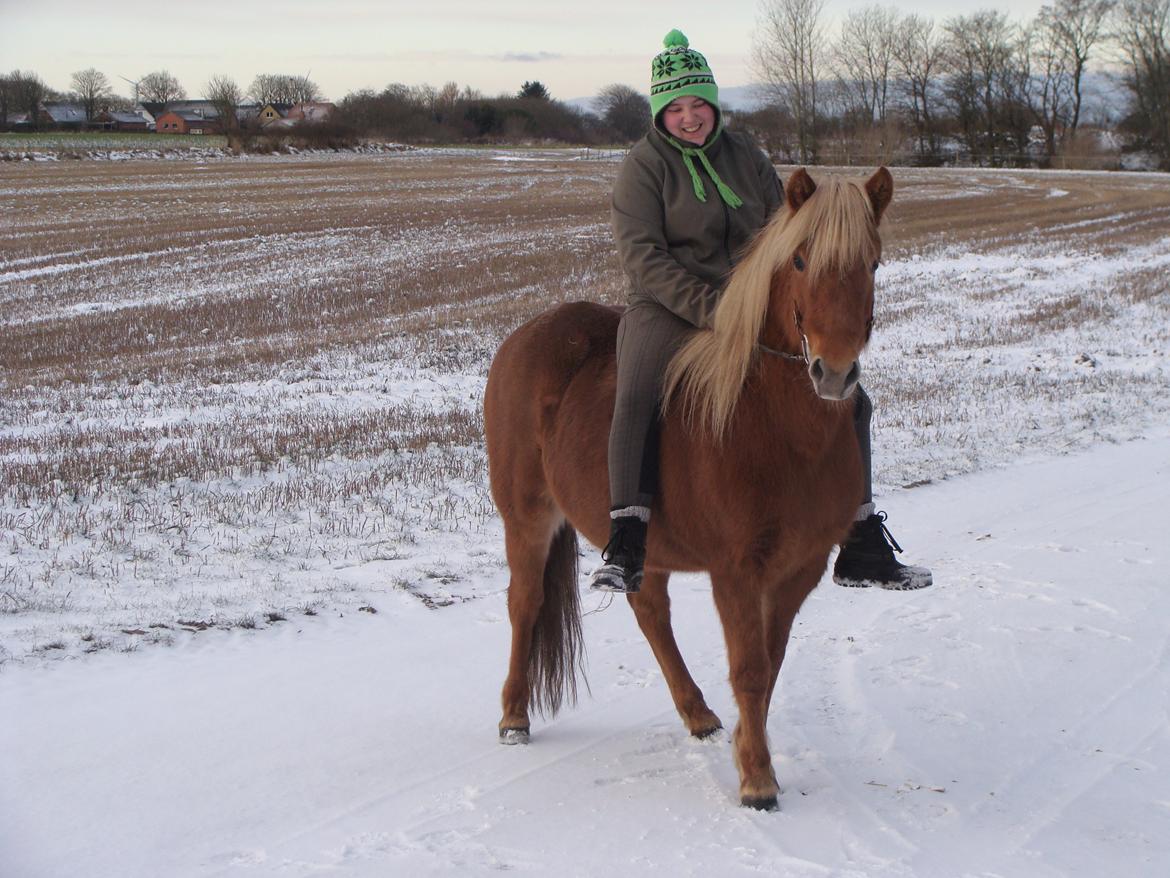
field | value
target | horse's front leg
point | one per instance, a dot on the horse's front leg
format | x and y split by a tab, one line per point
739	602
780	607
652	609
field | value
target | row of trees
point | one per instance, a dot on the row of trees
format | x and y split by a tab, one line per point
411	113
889	84
427	114
23	91
978	80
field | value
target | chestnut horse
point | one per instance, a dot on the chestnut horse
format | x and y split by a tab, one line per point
760	472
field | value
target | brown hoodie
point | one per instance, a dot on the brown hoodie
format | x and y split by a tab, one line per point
677	250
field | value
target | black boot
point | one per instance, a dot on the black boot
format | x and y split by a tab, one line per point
624	555
867	558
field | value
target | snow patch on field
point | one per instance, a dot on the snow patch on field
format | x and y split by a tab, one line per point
976	344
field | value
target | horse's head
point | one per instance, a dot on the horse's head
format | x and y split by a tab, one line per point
806	283
822	294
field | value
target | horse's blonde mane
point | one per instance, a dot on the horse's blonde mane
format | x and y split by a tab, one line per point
836	227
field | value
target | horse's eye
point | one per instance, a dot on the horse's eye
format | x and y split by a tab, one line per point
798	262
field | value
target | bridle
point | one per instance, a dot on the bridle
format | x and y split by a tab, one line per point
803	356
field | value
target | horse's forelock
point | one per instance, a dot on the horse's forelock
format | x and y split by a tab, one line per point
839	232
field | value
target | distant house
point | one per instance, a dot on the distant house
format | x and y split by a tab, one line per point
17	122
311	113
150	111
201	121
153	109
117	120
205	109
63	116
272	114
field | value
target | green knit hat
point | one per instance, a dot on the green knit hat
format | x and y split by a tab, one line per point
676	71
679	70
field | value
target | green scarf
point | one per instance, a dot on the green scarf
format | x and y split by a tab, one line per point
689	153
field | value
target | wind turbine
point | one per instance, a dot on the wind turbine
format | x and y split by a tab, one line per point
133	82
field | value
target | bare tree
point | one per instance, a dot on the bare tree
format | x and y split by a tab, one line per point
448	94
919	53
1050	96
25	91
303	90
979	49
445	100
266	88
863	56
1143	36
225	95
624	109
1078	26
787	57
91	87
7	97
160	87
1061	38
1016	113
281	88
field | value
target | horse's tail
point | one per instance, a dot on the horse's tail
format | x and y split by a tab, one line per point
558	649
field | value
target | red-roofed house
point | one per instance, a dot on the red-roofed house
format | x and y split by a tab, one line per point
188	122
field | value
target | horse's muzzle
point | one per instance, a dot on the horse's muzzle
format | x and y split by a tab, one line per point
831	383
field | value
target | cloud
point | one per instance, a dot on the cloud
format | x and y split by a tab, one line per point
528	57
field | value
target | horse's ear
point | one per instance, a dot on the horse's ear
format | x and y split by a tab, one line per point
880	188
799	189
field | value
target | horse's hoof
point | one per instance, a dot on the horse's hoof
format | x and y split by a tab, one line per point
760	803
514	736
707	734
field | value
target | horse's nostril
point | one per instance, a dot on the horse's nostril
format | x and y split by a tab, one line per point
816	370
854	374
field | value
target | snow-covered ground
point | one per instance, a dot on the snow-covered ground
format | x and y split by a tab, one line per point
1010	721
253	621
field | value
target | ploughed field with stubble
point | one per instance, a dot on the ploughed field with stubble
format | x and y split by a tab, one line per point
234	392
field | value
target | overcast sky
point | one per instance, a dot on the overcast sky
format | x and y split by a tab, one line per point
492	45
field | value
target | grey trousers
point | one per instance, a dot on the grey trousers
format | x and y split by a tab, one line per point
648	336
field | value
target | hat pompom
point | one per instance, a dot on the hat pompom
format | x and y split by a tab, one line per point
676	39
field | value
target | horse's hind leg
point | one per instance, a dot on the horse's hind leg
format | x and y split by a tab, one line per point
527	548
652	609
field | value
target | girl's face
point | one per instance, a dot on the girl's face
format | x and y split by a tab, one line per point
690	119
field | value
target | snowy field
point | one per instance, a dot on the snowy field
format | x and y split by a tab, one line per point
252	587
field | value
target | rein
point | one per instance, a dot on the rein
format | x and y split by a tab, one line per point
799	358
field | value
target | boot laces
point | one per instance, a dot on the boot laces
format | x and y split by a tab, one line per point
615	546
881	522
